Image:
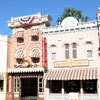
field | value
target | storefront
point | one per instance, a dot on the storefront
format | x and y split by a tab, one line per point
72	83
27	84
73	61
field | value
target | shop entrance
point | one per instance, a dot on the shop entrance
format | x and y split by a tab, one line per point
29	89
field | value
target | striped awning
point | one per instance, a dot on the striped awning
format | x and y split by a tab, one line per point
25	70
72	74
35	53
35	32
20	54
20	34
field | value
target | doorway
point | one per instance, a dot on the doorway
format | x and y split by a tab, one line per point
29	88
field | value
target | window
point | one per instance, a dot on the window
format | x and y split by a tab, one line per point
89	49
74	50
41	85
90	86
53	52
35	38
66	51
55	86
20	40
72	86
1	85
35	60
19	61
16	85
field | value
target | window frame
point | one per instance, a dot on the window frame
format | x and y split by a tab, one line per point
67	50
89	50
74	50
42	85
16	85
53	52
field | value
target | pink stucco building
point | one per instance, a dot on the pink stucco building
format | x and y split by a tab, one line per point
73	60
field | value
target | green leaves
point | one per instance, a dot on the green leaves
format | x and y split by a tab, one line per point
72	12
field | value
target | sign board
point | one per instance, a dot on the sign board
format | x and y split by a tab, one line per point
71	63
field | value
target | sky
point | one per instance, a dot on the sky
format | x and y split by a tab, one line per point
16	8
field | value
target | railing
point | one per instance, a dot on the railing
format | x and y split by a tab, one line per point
66	97
29	98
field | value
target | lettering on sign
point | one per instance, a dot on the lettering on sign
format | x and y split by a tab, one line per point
71	63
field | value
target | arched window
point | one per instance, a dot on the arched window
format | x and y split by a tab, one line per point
53	52
89	49
35	56
74	50
66	51
20	55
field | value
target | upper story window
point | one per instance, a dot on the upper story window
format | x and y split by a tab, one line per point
35	38
35	35
89	49
20	40
53	52
35	56
19	61
66	51
20	36
35	60
74	50
20	54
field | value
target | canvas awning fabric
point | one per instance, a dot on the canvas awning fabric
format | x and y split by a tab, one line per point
35	32
25	70
72	74
20	34
35	53
20	54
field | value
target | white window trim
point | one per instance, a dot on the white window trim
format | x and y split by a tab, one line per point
42	85
15	85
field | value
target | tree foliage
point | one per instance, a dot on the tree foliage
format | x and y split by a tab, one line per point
72	12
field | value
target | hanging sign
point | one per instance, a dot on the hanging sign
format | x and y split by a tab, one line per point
26	20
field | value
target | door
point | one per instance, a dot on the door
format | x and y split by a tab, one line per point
29	88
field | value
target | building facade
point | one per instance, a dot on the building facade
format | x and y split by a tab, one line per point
73	61
27	57
4	50
43	62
